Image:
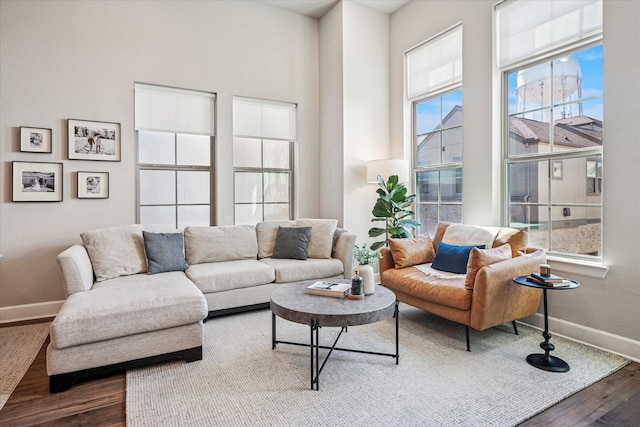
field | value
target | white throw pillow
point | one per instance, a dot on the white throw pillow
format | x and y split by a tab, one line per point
222	243
266	232
321	241
115	251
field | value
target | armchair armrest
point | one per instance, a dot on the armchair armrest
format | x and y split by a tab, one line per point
497	299
77	271
344	252
386	262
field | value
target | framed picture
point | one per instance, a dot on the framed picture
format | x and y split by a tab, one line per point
37	182
35	140
94	140
93	185
556	171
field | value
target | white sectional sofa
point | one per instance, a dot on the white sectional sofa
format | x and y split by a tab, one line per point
136	297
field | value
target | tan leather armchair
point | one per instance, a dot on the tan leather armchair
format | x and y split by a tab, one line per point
490	300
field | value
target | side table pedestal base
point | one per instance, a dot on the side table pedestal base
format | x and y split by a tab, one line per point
547	362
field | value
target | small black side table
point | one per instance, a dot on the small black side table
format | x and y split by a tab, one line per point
546	361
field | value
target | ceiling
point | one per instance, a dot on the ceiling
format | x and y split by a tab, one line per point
317	8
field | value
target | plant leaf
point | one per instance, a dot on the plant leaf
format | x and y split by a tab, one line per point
377	245
376	231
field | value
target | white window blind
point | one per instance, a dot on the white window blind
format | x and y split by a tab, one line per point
435	64
160	108
525	29
264	119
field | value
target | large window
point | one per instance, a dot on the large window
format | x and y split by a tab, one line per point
554	124
264	135
174	134
434	79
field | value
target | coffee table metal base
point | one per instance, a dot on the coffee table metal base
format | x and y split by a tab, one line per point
314	346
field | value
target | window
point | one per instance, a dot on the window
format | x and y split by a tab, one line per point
554	123
434	79
264	134
174	135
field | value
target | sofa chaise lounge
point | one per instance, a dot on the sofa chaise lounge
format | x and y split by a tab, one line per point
136	297
479	294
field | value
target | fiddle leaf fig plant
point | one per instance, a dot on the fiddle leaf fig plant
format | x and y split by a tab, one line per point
393	207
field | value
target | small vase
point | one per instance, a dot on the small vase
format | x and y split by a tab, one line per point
366	272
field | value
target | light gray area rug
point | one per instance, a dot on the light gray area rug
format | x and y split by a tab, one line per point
19	346
241	381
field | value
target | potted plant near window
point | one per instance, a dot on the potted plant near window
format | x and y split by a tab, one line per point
394	208
365	257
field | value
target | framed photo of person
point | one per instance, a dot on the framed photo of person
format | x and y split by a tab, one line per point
35	140
37	182
93	185
93	140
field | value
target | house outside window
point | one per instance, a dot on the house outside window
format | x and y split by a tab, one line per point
553	122
263	141
434	85
175	135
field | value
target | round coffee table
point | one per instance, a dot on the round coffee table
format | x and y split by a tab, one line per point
291	302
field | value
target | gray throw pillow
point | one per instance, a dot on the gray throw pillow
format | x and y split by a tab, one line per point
292	242
165	252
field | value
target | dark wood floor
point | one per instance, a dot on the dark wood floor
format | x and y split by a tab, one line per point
613	401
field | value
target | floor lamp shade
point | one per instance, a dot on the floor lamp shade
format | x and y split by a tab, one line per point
386	168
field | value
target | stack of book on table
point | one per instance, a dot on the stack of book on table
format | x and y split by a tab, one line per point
329	289
551	280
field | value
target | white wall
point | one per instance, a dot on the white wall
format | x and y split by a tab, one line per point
354	100
331	115
607	306
366	110
70	59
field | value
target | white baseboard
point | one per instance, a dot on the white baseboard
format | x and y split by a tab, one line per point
607	341
29	311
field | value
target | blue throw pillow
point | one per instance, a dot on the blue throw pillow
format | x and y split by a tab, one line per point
453	258
165	252
292	242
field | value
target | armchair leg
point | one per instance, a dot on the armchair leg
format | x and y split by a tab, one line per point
515	327
466	330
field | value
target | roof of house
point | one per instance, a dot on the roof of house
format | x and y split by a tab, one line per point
573	132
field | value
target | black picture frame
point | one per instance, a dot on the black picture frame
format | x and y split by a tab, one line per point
37	181
35	140
93	185
93	140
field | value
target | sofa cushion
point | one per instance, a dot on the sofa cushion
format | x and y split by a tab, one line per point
293	270
517	238
479	258
165	252
128	305
227	275
115	251
452	258
321	241
420	286
266	232
222	243
292	242
413	251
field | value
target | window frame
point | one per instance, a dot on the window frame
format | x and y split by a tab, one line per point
551	156
455	167
176	168
436	65
262	170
